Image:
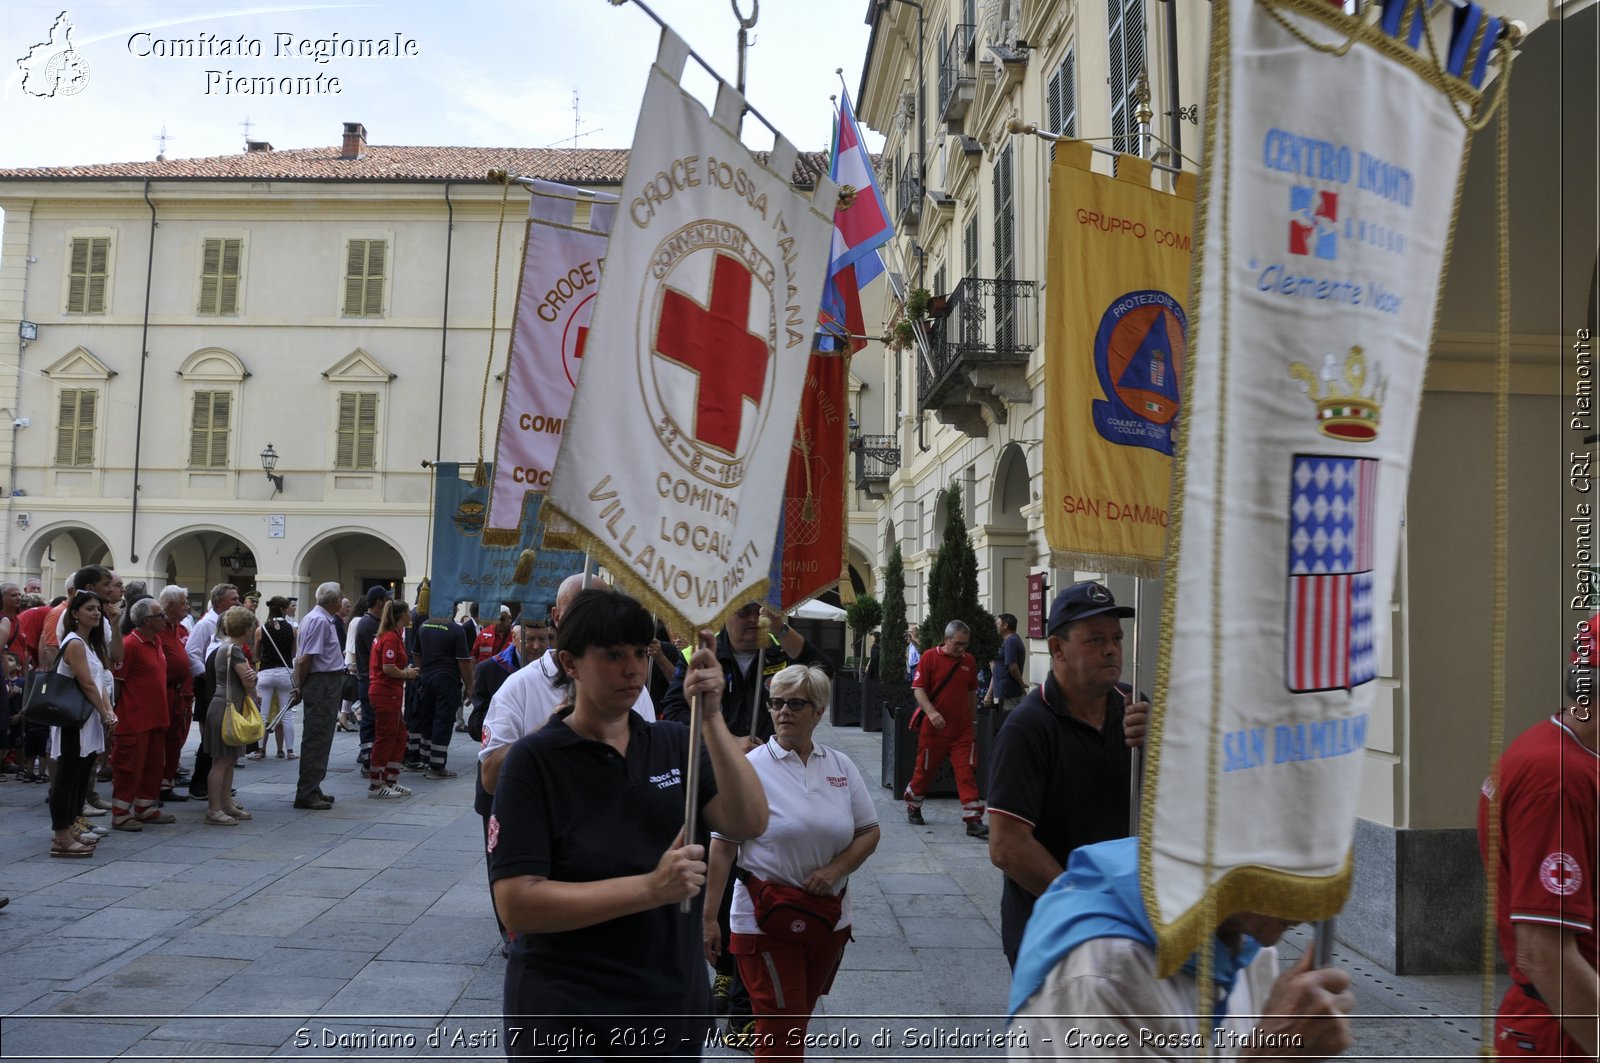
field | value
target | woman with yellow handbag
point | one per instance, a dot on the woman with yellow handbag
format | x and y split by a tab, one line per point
236	687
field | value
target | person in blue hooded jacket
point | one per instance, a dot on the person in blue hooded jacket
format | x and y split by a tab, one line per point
1085	982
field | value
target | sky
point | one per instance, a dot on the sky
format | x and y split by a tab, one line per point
485	74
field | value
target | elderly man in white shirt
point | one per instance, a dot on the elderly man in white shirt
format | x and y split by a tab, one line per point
531	695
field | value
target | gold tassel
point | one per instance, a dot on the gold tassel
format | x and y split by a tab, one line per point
423	594
480	475
524	569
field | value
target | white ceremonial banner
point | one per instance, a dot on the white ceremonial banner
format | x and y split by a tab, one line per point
675	453
561	266
1328	198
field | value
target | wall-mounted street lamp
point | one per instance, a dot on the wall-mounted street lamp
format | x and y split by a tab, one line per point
269	461
238	560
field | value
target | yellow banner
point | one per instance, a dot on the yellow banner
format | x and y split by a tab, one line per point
1115	332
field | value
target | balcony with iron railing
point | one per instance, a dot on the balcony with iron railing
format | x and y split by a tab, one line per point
908	193
979	343
958	80
877	457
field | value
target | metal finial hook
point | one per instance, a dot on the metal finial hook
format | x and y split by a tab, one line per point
755	13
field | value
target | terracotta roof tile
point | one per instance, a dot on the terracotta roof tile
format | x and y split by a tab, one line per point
590	166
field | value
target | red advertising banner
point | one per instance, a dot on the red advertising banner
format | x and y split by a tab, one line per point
1038	590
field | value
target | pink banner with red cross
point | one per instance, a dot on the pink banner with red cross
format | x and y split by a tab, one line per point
555	301
674	453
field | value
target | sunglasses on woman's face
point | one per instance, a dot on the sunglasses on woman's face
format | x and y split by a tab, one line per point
793	704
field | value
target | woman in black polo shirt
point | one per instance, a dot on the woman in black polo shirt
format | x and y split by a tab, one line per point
587	856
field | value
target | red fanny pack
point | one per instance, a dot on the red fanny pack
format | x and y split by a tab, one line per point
791	913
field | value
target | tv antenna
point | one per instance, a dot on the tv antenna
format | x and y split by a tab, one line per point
576	122
245	125
161	141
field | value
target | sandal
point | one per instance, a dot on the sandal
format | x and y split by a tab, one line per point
291	755
239	813
280	754
75	850
220	819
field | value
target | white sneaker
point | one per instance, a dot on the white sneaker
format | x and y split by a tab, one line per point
90	810
385	792
403	791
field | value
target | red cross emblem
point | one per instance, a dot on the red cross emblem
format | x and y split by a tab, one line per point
1560	874
715	342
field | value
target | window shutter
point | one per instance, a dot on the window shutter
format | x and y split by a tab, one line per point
345	450
372	304
1004	265
66	425
221	402
210	270
367	431
1052	97
99	252
78	276
1069	94
200	431
228	282
355	267
84	452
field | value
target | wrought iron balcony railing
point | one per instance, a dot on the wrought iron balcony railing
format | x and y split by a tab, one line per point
957	77
908	193
985	322
877	457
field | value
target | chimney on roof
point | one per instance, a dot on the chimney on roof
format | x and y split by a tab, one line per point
355	140
257	145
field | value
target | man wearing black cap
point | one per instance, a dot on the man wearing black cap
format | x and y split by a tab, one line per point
1059	771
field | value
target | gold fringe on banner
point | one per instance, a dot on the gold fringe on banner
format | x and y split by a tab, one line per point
1118	564
502	537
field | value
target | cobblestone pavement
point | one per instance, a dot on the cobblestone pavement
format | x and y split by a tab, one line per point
299	933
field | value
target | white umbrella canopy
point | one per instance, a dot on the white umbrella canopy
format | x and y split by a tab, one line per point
815	610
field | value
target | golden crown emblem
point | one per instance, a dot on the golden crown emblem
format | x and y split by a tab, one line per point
1347	408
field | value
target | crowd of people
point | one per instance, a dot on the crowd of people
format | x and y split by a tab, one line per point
611	913
152	672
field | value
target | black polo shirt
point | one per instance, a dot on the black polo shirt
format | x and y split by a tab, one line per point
440	644
572	809
1067	779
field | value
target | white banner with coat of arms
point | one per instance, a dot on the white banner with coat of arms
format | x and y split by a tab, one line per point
674	455
1328	199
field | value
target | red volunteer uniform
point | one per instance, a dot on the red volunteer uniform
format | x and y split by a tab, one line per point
489	642
1549	793
950	683
387	695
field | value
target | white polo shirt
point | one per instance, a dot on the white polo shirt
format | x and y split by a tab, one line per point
816	809
528	698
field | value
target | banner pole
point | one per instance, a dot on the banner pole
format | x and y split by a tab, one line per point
1324	943
764	627
691	785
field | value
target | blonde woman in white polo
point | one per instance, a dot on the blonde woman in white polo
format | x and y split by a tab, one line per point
822	827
